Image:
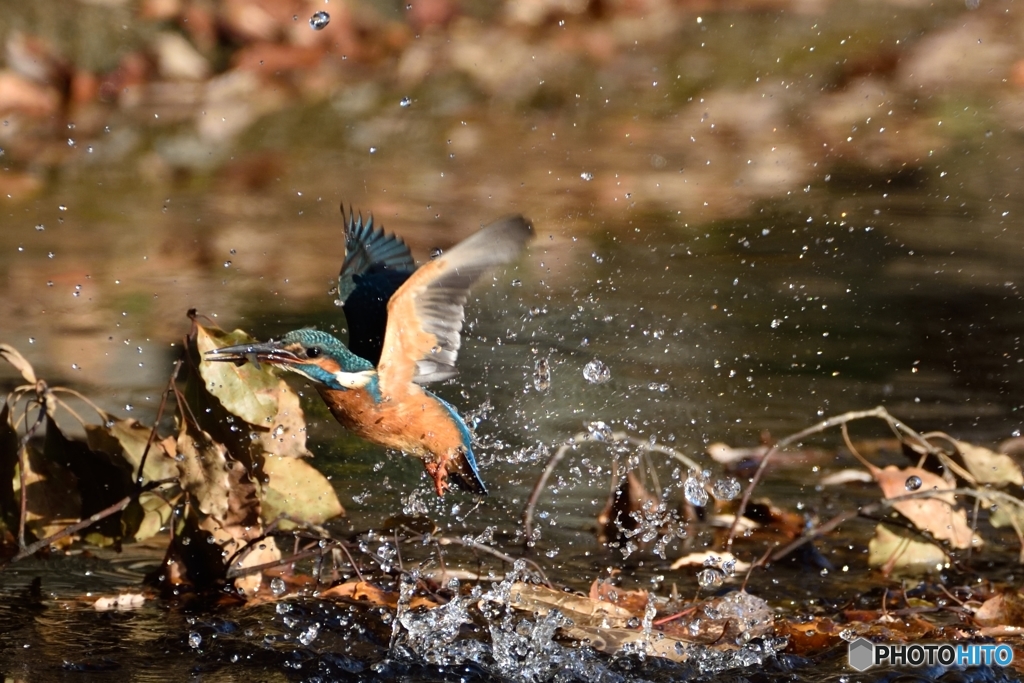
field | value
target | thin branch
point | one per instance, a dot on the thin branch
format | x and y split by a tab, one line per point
475	545
74	528
889	503
159	416
879	412
23	472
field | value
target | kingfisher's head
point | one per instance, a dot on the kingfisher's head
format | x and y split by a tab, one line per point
320	357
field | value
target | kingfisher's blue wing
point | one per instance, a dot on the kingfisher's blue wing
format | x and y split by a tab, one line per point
368	249
375	266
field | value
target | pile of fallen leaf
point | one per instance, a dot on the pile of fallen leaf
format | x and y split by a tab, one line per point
235	467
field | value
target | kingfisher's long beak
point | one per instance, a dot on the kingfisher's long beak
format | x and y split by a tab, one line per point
271	352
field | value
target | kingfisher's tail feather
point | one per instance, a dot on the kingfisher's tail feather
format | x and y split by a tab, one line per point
463	471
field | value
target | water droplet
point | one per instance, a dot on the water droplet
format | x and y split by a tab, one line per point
436	252
776	322
542	375
596	372
405	102
693	490
517	282
194	640
373	150
310	634
599	431
726	489
128	407
227	264
587	176
62	208
319	20
710	577
277	587
40	227
913	482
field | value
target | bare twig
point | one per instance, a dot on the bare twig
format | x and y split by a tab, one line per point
879	412
23	471
476	545
156	421
74	528
887	504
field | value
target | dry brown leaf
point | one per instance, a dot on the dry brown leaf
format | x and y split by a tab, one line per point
901	554
203	471
582	610
244	390
935	515
810	637
297	489
700	560
989	467
1005	609
726	620
605	591
362	591
225	498
14	357
128	438
847	476
613	640
285	434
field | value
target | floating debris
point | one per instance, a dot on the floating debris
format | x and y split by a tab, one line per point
542	375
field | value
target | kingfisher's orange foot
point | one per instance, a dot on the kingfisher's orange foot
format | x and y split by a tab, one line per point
439	473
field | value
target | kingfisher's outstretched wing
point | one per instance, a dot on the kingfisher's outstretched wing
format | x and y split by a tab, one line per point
375	266
426	314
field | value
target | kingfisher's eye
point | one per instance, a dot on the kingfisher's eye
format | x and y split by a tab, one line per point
312	352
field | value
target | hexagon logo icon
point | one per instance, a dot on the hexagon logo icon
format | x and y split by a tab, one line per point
862	654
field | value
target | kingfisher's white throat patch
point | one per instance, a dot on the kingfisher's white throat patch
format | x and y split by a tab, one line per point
354	380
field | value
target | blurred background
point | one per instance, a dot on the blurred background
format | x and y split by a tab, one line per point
755	213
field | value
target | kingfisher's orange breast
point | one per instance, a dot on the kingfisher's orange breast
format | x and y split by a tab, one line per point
417	424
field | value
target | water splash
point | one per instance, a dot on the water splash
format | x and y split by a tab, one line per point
726	489
599	431
596	372
693	489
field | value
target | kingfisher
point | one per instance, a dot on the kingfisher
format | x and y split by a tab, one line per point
383	400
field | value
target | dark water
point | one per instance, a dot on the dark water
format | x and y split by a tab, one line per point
711	333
